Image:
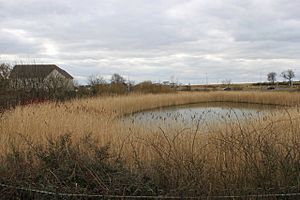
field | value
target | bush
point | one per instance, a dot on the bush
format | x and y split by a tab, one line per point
69	167
149	87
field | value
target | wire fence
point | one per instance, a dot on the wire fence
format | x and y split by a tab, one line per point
17	192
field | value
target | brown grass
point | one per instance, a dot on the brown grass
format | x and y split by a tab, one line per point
97	116
260	152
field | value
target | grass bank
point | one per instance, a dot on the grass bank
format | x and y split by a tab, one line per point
79	145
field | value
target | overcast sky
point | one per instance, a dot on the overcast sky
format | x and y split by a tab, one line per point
241	40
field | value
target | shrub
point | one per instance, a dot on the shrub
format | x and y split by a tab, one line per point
149	87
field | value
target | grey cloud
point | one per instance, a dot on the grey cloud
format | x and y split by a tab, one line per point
155	39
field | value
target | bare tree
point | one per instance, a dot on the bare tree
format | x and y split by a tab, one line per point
56	82
57	86
272	77
97	84
117	79
5	70
130	85
226	83
96	80
288	75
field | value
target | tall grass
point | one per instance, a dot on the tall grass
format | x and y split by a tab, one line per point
262	152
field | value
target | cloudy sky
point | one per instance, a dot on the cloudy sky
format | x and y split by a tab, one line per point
189	40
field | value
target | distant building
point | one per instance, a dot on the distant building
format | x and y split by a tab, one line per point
40	77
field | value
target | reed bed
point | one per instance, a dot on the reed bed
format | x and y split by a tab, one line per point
260	152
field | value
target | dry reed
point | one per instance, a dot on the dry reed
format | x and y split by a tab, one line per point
254	153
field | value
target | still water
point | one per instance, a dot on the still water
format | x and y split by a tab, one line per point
205	113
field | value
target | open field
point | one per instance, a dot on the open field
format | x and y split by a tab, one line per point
81	144
259	86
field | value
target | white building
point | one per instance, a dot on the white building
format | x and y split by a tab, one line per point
40	77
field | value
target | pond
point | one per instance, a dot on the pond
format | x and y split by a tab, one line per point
204	113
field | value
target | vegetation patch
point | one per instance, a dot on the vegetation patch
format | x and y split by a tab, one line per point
79	146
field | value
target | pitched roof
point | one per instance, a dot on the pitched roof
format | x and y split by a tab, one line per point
36	71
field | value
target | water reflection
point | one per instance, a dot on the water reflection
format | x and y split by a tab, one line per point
206	113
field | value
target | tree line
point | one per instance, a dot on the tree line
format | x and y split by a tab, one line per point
288	75
54	89
119	85
14	92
